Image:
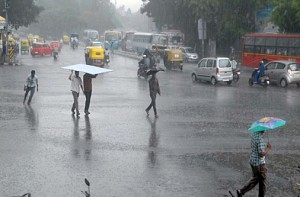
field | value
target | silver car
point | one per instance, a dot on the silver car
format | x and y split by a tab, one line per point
283	72
189	54
214	69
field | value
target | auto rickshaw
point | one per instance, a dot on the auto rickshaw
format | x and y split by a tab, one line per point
94	56
173	59
66	39
24	46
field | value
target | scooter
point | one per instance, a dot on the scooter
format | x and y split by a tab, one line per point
262	80
87	193
107	60
236	75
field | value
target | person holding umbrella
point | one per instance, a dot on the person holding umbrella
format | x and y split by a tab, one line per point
87	84
154	90
258	152
258	165
75	88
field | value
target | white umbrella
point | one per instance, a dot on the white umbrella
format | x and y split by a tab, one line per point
87	69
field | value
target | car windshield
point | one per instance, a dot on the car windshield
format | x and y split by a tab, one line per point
223	63
295	67
190	50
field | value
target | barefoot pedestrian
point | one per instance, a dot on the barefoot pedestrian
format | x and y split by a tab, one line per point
154	90
31	83
76	84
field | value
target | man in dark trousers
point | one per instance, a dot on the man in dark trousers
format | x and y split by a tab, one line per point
31	83
258	165
87	85
154	89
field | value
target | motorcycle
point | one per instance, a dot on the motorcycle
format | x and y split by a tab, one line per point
107	60
262	80
87	193
236	75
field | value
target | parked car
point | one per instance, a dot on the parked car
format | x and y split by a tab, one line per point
214	69
189	54
55	44
40	49
283	72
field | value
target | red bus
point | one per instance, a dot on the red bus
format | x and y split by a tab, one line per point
270	46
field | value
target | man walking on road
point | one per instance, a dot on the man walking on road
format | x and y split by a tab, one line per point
87	84
31	83
258	165
154	89
75	88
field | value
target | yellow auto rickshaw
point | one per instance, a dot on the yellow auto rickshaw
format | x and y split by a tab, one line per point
25	46
66	39
173	59
94	56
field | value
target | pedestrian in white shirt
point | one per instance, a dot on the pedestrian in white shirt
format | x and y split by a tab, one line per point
31	83
75	88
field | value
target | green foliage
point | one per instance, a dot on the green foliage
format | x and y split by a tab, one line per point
227	20
286	15
21	13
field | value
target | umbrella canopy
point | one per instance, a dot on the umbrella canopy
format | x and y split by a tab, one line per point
266	123
87	69
154	70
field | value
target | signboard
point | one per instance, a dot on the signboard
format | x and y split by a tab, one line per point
201	29
2	22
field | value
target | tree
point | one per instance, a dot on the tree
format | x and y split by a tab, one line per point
20	12
286	15
227	20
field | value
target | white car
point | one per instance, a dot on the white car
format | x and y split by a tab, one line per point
214	70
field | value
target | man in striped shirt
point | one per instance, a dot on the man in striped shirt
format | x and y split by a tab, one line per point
258	165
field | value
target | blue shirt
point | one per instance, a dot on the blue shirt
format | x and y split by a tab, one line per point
257	146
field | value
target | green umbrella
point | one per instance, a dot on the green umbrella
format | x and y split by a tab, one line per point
266	123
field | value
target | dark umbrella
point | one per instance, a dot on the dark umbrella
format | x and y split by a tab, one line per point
154	71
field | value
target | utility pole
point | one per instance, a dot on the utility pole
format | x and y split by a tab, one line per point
7	5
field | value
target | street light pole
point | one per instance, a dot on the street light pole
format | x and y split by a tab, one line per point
6	26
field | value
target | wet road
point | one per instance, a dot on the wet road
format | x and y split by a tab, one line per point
199	145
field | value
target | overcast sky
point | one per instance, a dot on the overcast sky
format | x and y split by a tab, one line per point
134	5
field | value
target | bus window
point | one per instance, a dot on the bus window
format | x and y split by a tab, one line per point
294	49
260	43
270	46
282	46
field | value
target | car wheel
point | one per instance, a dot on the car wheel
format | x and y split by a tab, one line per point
250	82
213	81
283	83
298	85
229	82
194	77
